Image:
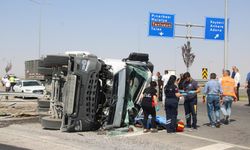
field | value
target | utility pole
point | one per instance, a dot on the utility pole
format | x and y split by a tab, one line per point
226	37
39	25
39	31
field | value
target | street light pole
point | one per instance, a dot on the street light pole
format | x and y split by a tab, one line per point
39	25
39	31
226	36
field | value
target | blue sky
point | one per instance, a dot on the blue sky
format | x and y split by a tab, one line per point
114	28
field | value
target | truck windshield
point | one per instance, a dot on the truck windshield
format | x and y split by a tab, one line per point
137	77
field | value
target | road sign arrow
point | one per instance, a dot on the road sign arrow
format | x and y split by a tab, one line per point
216	36
161	25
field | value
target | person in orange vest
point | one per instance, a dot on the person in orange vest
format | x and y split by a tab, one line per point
228	96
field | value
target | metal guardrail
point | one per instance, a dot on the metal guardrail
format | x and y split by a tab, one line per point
201	82
20	94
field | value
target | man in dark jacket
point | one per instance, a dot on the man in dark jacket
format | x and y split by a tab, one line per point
248	88
190	104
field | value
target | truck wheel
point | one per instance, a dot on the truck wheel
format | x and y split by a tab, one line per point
88	126
51	123
43	103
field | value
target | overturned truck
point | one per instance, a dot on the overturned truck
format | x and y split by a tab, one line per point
89	93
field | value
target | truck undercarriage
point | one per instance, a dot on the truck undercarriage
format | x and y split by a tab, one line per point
93	92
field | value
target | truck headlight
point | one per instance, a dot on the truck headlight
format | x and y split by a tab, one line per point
27	90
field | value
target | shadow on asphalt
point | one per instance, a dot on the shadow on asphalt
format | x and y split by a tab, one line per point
9	147
222	122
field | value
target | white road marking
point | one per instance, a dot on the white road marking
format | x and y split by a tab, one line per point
218	146
212	140
188	135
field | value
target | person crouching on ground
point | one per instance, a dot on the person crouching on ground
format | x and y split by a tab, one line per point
148	104
213	91
171	104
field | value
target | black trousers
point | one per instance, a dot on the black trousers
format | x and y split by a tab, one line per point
248	94
171	108
190	107
12	86
7	89
149	111
238	89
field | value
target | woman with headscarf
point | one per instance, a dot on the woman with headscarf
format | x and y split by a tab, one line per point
171	105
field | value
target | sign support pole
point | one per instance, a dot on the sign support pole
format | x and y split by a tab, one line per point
226	37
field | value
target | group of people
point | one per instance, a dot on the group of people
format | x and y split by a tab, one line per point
8	82
219	95
172	90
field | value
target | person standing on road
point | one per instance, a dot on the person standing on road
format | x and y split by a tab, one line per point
171	104
237	82
180	80
7	86
213	91
12	82
149	101
228	96
165	78
160	85
248	88
180	84
155	79
190	103
233	71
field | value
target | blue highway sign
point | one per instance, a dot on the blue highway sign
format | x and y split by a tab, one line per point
215	29
161	25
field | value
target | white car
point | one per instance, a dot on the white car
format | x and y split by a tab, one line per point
29	86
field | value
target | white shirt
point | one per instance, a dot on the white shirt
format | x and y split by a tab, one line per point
165	79
7	83
237	78
154	78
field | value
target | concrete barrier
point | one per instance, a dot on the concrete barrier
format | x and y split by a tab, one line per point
19	94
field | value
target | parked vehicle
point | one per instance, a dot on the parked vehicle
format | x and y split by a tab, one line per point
29	86
95	92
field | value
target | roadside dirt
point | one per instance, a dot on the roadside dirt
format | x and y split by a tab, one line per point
17	111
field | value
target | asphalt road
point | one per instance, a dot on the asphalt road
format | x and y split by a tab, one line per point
30	135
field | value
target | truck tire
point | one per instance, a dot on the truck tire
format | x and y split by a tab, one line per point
51	123
90	126
43	103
